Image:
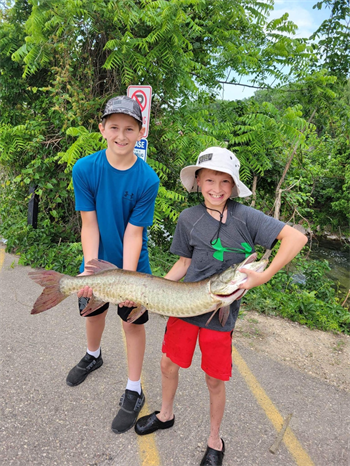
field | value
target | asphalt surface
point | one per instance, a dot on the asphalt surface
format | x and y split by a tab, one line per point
45	422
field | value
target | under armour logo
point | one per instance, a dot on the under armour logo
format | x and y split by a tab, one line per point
128	195
220	249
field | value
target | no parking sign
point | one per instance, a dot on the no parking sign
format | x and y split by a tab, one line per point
142	95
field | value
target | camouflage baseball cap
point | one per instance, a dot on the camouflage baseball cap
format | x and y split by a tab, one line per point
123	104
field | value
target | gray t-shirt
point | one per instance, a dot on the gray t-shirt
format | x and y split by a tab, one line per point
244	228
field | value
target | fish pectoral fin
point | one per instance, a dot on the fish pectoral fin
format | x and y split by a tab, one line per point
97	265
136	313
213	314
92	306
223	314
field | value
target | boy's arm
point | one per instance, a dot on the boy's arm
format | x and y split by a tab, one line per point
179	269
292	241
132	245
90	240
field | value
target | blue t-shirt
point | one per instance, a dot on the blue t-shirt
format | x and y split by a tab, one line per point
119	197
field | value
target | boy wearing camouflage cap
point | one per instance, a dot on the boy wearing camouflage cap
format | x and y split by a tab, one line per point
115	192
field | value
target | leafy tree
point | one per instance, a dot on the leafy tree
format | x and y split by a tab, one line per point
333	39
77	54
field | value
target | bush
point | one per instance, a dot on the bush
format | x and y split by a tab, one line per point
312	302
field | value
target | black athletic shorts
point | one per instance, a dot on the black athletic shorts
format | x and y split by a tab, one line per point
123	312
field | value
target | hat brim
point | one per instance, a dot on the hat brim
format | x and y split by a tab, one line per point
188	179
123	111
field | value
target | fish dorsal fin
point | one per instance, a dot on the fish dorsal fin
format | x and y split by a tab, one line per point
99	265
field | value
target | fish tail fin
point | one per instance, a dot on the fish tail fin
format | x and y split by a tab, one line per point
51	294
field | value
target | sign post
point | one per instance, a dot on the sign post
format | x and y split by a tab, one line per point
143	96
141	149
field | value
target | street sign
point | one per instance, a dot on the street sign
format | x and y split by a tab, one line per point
142	95
141	149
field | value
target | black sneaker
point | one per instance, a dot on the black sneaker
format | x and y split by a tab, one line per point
131	403
79	372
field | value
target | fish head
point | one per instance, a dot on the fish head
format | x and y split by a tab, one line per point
220	281
225	286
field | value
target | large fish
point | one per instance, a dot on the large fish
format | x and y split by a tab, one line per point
156	294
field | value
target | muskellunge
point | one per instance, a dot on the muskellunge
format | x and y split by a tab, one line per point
156	294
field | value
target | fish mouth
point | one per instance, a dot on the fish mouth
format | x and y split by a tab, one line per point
231	295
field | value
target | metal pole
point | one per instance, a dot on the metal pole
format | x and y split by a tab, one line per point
33	207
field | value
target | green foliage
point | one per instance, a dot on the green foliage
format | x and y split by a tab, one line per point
263	134
61	60
87	143
320	168
51	246
333	38
311	302
160	258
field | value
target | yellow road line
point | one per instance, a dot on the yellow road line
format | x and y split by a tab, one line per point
2	257
290	440
148	452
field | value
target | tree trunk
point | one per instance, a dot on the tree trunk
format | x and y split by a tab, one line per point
255	182
278	194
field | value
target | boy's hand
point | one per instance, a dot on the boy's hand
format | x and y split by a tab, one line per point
85	292
127	304
253	279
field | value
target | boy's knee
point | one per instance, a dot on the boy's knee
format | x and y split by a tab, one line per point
212	383
132	329
96	319
167	366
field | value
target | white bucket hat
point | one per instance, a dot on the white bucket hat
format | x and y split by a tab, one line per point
218	159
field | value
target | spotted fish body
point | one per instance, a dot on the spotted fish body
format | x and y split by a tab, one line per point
158	295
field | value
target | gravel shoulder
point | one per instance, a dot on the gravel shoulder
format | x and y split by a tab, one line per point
320	354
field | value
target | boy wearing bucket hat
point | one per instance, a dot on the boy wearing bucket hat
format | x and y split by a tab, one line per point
115	192
209	238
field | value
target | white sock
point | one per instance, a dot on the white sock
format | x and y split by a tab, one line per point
134	386
95	354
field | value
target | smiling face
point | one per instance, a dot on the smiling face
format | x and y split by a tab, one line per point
121	133
216	187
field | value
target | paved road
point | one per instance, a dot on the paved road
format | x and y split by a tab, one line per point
45	422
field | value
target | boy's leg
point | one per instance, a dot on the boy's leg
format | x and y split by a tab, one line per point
135	337
94	329
133	398
170	380
216	348
217	394
179	343
165	418
95	325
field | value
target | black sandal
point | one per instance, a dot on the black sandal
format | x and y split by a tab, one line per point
149	424
213	457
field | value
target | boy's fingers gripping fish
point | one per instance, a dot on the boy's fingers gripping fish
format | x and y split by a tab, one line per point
159	295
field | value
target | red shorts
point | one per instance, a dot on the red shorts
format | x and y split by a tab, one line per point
180	340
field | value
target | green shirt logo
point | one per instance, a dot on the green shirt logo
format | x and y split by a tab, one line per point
220	249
